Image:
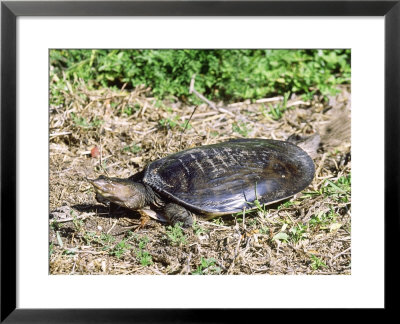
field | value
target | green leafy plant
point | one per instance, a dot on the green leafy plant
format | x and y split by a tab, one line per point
51	249
197	228
340	190
143	256
78	223
207	266
83	123
286	204
277	111
132	148
176	235
317	263
241	128
222	74
298	232
281	236
218	221
119	249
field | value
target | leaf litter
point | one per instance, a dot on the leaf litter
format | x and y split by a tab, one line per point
118	132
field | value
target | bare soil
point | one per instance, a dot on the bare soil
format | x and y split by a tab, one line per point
117	133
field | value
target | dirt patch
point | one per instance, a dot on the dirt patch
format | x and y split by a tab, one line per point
117	133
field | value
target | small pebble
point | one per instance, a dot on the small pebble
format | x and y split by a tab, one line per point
95	152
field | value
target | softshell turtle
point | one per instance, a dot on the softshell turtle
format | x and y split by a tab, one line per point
214	180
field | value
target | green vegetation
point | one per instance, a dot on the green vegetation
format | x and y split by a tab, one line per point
276	112
287	204
207	266
241	128
106	241
218	221
298	232
82	122
120	249
176	235
51	249
340	190
317	263
143	256
323	220
226	75
197	229
281	236
132	148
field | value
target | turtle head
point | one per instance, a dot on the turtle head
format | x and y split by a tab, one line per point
123	192
309	143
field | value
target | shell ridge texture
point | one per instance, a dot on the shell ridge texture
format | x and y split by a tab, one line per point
227	177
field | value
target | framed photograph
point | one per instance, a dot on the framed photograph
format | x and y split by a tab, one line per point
160	158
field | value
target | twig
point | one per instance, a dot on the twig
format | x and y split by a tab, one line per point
201	97
188	264
82	251
108	232
70	219
279	98
339	254
209	113
236	252
297	103
244	219
213	224
145	133
187	123
321	164
60	134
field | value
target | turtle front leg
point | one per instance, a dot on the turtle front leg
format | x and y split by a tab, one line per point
178	214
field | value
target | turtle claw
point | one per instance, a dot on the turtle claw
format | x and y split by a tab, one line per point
144	219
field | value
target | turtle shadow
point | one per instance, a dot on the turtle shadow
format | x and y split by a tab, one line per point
112	211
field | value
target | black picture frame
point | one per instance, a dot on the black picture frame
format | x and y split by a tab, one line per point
10	10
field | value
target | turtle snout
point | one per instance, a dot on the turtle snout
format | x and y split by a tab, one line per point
112	190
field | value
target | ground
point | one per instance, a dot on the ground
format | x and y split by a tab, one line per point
118	132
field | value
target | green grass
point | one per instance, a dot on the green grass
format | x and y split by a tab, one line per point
287	204
228	75
339	190
276	111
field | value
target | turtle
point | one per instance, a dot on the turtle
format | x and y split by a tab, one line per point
214	180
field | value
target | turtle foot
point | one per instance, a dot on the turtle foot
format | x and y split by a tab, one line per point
178	214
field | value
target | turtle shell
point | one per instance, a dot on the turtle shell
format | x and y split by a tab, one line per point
224	178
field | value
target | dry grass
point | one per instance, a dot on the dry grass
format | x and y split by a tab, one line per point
131	129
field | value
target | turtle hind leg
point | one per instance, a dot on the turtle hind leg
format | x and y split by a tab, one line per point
178	214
